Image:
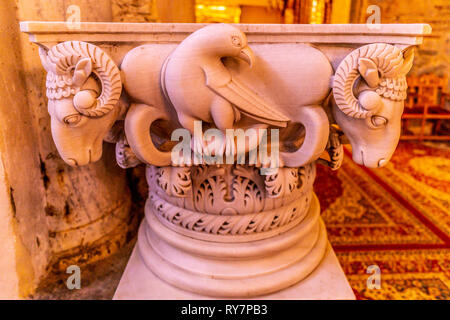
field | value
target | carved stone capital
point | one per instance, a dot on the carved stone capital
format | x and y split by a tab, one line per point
230	122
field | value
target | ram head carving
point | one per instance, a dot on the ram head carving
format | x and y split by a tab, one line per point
369	89
83	91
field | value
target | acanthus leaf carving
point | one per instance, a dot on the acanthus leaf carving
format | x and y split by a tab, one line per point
230	224
175	181
335	150
282	183
125	157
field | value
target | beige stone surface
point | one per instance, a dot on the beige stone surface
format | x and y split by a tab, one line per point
9	281
23	181
99	279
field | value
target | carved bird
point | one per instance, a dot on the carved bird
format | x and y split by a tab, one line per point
200	87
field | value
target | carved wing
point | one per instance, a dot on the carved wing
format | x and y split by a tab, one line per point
247	101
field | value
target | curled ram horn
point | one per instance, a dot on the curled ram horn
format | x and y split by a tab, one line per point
371	62
63	57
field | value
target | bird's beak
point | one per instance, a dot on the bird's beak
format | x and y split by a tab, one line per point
246	54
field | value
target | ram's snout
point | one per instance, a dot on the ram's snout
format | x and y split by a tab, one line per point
78	138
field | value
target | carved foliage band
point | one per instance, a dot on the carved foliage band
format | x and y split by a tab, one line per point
229	224
174	181
229	200
229	189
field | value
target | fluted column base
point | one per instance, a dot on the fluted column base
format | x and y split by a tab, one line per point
295	264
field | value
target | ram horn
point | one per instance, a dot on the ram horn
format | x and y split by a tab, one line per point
387	59
61	59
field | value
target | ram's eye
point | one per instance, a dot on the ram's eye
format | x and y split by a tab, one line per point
379	121
72	119
236	41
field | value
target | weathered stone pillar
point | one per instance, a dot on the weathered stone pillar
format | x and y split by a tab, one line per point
60	215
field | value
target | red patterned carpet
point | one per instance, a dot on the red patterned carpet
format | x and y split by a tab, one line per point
396	217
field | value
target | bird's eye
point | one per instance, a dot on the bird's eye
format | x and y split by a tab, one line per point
236	41
379	121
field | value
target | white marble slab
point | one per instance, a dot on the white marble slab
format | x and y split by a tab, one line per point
410	34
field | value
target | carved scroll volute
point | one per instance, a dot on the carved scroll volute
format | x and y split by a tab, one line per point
316	125
138	122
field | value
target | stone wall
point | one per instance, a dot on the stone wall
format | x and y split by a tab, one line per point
133	11
59	215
